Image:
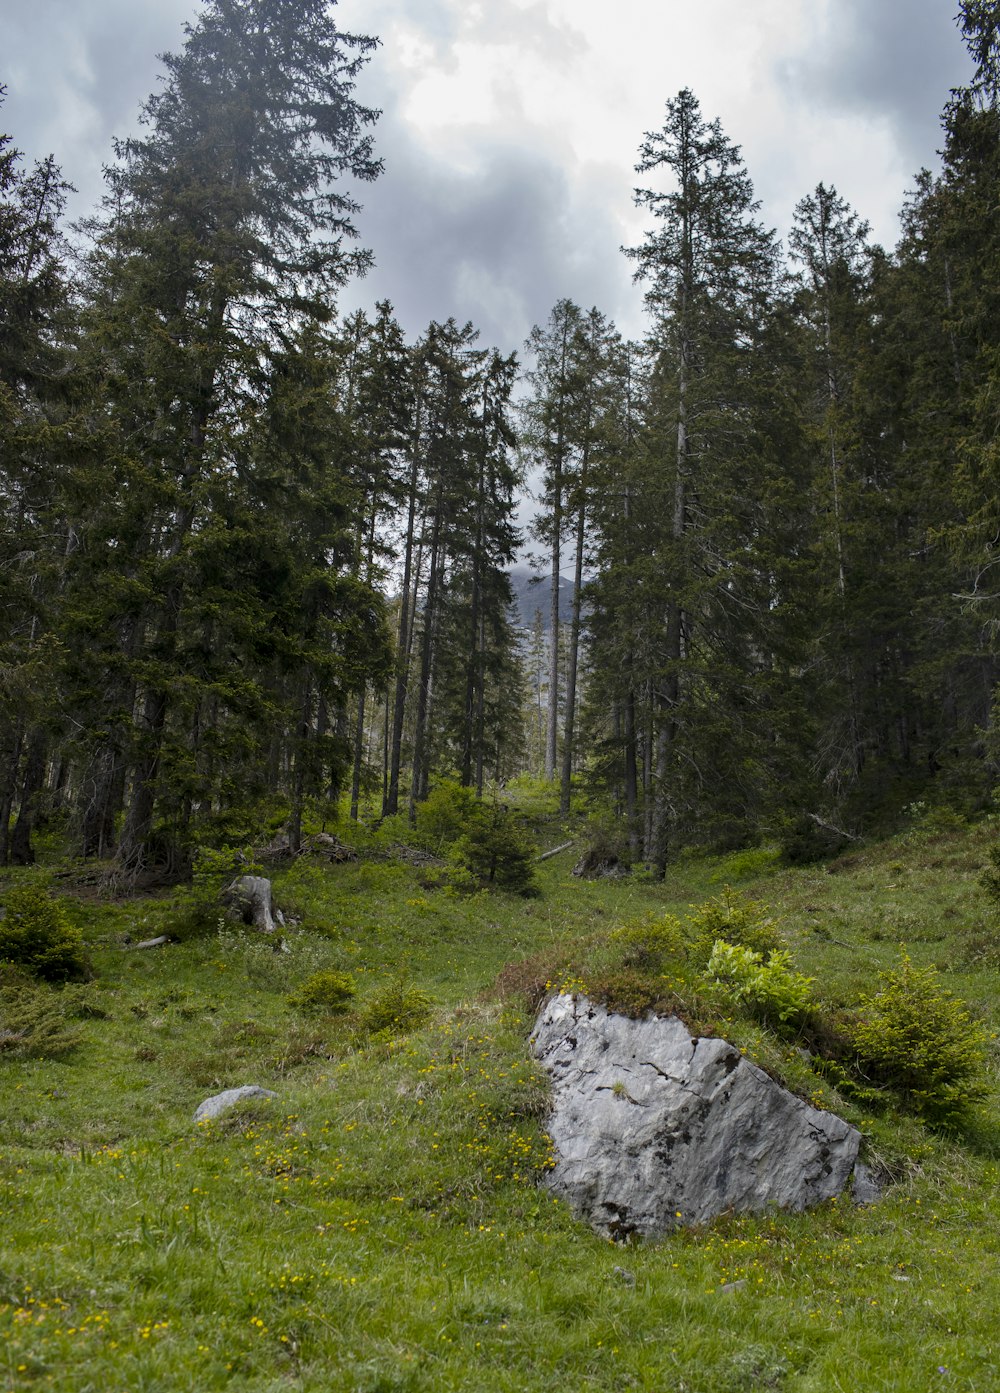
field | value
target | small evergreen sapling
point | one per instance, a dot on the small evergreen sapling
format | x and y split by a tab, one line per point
496	851
917	1037
35	933
736	920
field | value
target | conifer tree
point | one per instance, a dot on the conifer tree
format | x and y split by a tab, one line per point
709	267
36	438
223	235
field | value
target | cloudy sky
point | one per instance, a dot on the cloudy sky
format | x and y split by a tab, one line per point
510	127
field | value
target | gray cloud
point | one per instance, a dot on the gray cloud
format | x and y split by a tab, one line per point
72	86
518	219
886	58
499	247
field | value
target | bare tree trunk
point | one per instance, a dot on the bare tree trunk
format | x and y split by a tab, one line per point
420	762
569	724
359	752
390	803
631	774
552	714
32	780
669	694
481	712
134	847
8	796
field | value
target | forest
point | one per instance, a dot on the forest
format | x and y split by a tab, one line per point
255	554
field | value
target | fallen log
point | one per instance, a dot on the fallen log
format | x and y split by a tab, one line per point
554	852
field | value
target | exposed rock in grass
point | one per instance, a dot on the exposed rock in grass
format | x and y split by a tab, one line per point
867	1186
654	1129
222	1102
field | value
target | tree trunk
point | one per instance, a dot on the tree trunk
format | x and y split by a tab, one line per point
420	770
32	780
390	803
134	848
668	697
569	724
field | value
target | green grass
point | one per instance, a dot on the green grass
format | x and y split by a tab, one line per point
380	1225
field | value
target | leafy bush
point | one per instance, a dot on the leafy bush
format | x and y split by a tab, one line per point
396	1009
769	990
35	933
326	993
917	1037
742	922
444	815
651	944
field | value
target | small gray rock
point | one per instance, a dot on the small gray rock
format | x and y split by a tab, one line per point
220	1102
866	1188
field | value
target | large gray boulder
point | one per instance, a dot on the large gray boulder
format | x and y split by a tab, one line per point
654	1129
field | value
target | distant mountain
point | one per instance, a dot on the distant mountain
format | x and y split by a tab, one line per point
531	596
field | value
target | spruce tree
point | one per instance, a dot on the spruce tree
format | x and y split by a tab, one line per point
223	236
37	455
709	267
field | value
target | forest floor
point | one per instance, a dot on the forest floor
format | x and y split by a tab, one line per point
382	1225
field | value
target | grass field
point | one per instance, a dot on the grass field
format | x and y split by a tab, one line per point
382	1225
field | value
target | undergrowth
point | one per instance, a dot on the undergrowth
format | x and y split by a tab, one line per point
380	1225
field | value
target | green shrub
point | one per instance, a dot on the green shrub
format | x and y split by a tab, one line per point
734	919
990	878
444	815
769	990
397	1009
325	993
35	933
199	907
496	850
917	1037
33	1019
650	945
